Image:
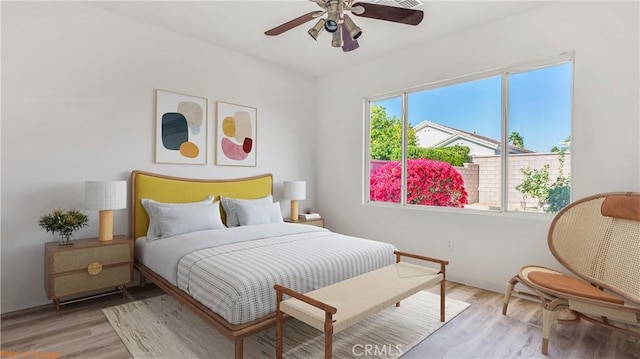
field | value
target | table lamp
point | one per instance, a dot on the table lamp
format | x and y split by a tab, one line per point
105	196
294	191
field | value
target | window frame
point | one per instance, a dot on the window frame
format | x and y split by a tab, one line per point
504	73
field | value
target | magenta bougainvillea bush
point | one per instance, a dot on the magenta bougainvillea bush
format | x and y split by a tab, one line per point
429	182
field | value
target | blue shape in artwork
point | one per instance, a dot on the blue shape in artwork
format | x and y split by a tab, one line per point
174	130
195	130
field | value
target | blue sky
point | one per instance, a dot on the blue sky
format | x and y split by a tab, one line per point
539	106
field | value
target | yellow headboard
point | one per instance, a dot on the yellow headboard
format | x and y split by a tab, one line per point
176	190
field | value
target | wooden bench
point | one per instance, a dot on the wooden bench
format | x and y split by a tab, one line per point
340	305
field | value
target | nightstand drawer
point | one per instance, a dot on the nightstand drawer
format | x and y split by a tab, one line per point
88	265
318	222
74	283
80	259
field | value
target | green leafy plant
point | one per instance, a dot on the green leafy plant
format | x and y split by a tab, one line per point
386	135
535	183
63	222
559	197
516	139
386	142
560	190
455	155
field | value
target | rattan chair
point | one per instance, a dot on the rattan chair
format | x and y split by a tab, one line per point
598	239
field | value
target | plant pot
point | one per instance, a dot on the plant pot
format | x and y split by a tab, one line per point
65	240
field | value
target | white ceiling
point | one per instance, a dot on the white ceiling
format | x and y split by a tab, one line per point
240	26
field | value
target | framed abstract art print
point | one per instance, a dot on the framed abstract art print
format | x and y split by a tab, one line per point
181	128
236	135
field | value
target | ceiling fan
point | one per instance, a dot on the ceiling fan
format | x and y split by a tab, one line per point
345	32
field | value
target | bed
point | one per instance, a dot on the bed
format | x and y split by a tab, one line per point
226	275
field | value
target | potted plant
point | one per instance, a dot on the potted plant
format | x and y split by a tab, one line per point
64	223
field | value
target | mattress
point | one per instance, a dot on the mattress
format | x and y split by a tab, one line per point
232	271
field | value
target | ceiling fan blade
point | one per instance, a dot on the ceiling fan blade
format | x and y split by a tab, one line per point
390	13
293	23
348	44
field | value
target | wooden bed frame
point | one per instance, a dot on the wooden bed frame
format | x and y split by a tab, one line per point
176	189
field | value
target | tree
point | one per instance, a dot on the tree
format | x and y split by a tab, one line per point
567	144
535	183
516	139
560	190
386	142
386	135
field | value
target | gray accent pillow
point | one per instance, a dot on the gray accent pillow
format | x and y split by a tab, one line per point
154	232
229	205
250	214
186	219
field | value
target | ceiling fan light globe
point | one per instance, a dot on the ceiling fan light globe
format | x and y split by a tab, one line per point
331	26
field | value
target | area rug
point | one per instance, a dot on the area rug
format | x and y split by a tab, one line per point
160	327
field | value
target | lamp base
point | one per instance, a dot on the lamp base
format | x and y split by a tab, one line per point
294	210
105	227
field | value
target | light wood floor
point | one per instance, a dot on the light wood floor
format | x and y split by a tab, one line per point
81	331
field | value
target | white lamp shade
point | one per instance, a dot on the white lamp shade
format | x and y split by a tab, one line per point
294	190
105	195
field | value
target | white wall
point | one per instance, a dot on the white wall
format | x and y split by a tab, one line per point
488	249
78	103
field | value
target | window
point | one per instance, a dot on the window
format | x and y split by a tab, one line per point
500	141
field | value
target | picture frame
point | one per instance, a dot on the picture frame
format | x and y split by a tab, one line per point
181	128
236	135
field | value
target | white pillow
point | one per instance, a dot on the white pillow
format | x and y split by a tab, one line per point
250	214
230	204
153	232
185	219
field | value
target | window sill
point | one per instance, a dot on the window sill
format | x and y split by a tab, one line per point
538	216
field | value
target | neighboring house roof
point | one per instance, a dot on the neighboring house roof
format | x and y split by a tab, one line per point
456	135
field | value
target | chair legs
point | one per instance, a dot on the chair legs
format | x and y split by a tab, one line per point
547	320
507	293
549	307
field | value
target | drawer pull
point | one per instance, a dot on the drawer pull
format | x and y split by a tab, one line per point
94	268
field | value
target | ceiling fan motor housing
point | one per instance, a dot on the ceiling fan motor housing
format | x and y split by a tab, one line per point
335	9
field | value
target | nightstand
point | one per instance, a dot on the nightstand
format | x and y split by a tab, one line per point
87	266
319	222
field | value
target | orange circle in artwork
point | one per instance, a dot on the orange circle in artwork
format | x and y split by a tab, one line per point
189	149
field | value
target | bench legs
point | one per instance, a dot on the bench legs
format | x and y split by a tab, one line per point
328	321
239	348
279	319
442	296
330	311
328	336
